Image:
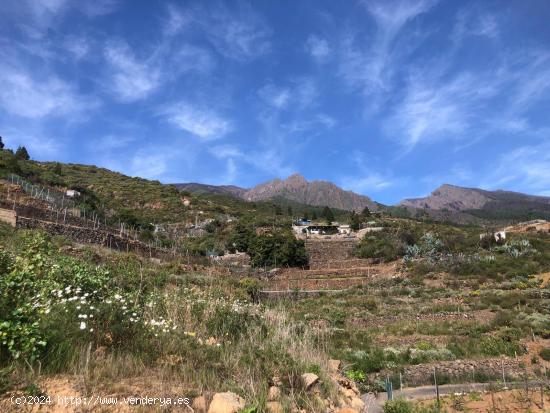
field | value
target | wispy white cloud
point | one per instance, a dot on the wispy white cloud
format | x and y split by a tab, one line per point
366	177
526	168
266	160
318	47
238	33
278	97
316	122
97	7
372	182
110	142
471	21
530	74
35	17
297	94
370	68
199	121
79	47
37	95
147	165
433	110
130	79
175	21
439	103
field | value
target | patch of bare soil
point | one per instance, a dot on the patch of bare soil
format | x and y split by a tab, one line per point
50	388
533	350
65	394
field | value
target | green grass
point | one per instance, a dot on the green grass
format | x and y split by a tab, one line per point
202	333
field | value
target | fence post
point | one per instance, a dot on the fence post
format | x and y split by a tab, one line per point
503	375
436	387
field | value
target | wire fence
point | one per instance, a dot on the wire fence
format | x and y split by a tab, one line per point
49	195
61	209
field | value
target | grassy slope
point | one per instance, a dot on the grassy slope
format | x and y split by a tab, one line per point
153	326
147	201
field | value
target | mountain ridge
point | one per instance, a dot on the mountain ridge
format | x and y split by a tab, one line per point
457	198
295	188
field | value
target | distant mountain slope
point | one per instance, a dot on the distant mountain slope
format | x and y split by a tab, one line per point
451	197
297	188
491	205
461	199
212	189
294	188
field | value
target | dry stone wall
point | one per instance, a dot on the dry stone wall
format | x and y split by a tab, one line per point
469	370
93	236
323	253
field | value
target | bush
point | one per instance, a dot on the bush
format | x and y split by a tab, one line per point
398	406
545	354
279	249
380	245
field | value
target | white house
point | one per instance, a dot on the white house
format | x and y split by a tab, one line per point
72	193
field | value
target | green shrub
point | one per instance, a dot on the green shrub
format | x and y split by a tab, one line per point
278	249
398	406
545	354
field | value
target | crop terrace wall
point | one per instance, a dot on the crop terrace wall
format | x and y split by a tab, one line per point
470	370
92	236
323	253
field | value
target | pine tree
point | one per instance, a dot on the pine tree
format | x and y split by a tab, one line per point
354	221
1	143
21	153
328	215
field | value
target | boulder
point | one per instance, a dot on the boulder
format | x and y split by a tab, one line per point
199	404
309	379
273	393
226	403
357	404
347	392
334	365
274	407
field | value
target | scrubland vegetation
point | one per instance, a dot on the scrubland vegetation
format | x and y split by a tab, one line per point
113	317
107	317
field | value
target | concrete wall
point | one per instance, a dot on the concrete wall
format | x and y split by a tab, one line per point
9	216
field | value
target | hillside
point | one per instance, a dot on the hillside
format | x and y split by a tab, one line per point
458	202
139	202
197	188
294	188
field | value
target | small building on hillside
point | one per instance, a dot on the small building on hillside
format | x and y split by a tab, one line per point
344	229
499	236
72	193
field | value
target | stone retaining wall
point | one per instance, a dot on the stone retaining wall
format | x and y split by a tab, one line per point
323	253
93	236
463	370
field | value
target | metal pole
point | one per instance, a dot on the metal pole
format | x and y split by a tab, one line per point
436	387
503	375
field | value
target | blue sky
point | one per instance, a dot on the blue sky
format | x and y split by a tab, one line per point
386	98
